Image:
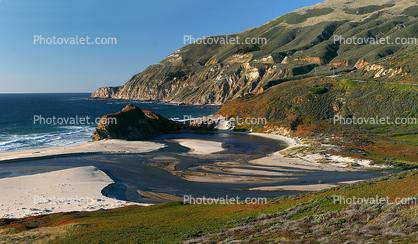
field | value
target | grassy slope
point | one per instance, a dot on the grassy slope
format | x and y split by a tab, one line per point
308	107
303	36
305	217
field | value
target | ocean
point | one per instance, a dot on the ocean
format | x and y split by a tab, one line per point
27	120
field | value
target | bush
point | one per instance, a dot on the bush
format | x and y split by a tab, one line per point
318	90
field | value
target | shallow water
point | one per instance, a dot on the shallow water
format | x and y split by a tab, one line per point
132	172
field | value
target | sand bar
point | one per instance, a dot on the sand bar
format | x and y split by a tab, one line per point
316	187
200	146
75	189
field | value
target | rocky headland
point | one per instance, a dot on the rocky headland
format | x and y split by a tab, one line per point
132	123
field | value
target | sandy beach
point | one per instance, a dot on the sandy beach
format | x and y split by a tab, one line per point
200	146
273	168
26	192
61	179
76	189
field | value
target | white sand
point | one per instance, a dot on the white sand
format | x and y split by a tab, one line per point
349	182
316	187
276	159
75	189
223	178
200	146
252	171
309	161
104	146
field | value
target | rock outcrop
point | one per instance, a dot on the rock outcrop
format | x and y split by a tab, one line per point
132	123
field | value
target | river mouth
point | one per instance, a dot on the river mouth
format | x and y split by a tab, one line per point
177	171
212	165
249	145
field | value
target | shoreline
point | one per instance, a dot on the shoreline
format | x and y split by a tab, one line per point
158	102
29	193
272	170
113	146
119	146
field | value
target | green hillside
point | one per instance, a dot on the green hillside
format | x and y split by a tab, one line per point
307	108
293	46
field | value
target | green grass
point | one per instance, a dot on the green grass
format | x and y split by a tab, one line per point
366	9
400	87
175	222
411	11
408	139
294	18
307	107
348	84
163	223
318	90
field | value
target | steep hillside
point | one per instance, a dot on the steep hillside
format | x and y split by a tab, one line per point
307	108
293	46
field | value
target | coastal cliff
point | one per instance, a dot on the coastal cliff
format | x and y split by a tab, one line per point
307	42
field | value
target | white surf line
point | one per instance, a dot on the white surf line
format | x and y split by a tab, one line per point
103	146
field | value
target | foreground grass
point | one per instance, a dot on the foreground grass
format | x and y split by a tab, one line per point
169	222
325	216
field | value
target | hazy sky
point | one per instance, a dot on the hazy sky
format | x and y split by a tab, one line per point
146	32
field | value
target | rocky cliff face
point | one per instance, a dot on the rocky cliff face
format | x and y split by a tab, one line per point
105	92
293	46
132	123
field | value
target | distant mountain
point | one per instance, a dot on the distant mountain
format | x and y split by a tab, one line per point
298	45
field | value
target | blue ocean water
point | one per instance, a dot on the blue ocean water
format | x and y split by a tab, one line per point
18	112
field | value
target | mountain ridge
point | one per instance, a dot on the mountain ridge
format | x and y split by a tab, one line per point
299	44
